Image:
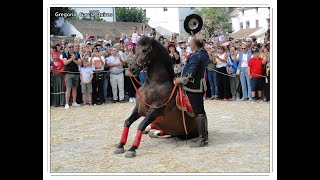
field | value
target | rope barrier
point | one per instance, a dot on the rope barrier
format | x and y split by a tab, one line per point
233	75
79	72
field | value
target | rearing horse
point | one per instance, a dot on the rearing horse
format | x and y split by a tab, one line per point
156	90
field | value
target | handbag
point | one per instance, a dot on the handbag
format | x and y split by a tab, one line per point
229	67
238	71
230	70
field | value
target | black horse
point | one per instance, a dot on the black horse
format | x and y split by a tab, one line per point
153	56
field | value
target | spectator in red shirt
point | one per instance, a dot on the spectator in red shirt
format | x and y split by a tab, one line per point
255	70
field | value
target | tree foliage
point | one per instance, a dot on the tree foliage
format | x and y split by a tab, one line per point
215	19
89	19
53	28
130	14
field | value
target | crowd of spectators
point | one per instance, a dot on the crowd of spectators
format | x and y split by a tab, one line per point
92	71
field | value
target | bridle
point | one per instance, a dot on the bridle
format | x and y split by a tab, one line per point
145	61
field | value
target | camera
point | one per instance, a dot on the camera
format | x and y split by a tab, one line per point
91	37
73	35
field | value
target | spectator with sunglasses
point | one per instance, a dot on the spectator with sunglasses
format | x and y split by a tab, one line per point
243	58
71	60
249	43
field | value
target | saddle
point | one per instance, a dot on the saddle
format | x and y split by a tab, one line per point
185	104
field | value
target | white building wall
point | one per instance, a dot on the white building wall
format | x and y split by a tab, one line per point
68	29
252	15
183	13
172	19
168	19
111	17
235	24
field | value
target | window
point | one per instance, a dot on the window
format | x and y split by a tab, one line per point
93	14
165	9
192	8
241	25
242	12
247	24
144	12
257	23
257	10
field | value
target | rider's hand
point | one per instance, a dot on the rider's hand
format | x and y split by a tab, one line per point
177	81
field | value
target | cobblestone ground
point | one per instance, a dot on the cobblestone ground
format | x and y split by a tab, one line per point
83	140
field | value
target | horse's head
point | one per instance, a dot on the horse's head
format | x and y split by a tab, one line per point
143	55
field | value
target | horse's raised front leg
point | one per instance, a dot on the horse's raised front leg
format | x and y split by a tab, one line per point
151	116
127	123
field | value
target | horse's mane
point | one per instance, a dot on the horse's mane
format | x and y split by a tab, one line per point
162	53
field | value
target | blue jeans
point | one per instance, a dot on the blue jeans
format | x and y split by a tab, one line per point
212	77
142	77
245	83
105	88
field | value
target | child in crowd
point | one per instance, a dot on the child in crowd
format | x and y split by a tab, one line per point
86	75
255	70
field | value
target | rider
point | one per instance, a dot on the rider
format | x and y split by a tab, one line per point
194	84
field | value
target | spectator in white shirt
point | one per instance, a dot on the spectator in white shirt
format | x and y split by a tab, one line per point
116	74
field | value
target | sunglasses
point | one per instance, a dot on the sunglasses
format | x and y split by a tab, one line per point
243	48
71	46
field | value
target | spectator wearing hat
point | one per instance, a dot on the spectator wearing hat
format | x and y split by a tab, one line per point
249	44
181	42
255	70
222	78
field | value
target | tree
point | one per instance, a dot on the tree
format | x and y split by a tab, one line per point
130	14
89	19
55	13
215	19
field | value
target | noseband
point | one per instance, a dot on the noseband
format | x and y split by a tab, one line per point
145	61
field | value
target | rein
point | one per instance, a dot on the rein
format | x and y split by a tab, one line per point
157	107
153	107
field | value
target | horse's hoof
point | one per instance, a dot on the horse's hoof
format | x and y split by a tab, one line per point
119	151
130	154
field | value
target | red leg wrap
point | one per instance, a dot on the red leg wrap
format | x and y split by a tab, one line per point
124	136
136	142
153	126
161	133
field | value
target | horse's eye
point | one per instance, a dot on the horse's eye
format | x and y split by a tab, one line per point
144	50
